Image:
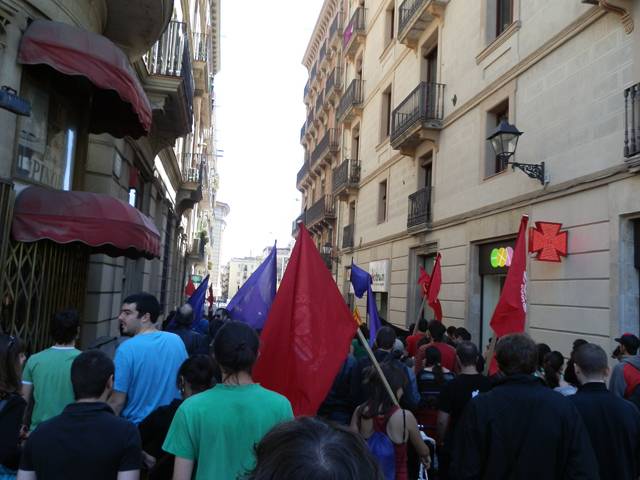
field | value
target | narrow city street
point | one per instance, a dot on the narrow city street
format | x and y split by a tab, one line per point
319	239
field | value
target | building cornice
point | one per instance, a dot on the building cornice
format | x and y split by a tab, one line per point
329	9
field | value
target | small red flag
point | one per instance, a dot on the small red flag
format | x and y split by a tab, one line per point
210	297
189	289
423	280
511	310
307	333
433	290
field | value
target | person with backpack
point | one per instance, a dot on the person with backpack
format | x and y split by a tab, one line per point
336	407
386	427
613	423
625	378
12	405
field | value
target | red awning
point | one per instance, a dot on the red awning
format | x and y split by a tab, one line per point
105	223
119	105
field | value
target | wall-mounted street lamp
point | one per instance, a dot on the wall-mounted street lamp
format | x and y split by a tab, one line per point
504	140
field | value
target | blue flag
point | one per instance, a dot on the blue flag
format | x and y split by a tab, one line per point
251	304
361	281
196	300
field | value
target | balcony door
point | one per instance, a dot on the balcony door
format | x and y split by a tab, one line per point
431	65
425	175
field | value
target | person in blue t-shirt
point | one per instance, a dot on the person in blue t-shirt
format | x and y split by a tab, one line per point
146	365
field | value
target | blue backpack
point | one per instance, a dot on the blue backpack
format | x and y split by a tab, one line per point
383	449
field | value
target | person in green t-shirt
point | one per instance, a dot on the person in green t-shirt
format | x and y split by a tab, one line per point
218	429
47	374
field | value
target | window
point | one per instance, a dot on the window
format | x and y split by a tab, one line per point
385	128
382	201
390	20
494	117
504	15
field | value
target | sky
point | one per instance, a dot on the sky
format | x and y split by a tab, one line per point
259	112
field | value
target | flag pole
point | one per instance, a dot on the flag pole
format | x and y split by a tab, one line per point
373	359
420	310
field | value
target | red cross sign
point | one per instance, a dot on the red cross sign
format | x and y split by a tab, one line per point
548	241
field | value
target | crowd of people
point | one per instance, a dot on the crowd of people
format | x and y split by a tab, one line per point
178	401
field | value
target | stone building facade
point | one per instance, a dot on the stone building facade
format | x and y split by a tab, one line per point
424	83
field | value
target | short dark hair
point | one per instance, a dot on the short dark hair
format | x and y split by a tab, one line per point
145	303
468	353
10	349
64	326
198	371
451	331
422	325
437	330
543	349
463	334
516	353
224	313
313	449
90	372
235	347
591	359
385	338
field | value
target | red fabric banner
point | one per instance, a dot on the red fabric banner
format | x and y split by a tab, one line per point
307	333
511	310
423	280
189	289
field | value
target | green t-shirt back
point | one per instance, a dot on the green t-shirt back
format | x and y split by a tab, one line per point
218	428
50	373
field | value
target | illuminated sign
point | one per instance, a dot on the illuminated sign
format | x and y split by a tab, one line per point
548	242
501	257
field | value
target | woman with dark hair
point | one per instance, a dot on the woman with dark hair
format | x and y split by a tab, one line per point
195	376
313	449
430	382
385	426
552	367
570	372
543	350
12	404
217	429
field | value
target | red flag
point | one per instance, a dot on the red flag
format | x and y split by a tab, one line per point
434	289
189	289
210	297
307	333
423	280
511	310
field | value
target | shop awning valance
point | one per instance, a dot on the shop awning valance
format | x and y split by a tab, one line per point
105	223
119	104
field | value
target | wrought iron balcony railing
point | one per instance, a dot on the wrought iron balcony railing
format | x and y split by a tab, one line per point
202	47
313	72
419	208
407	10
295	225
354	27
303	130
424	104
347	236
165	57
330	142
632	121
346	175
319	101
306	89
353	96
334	82
336	26
311	116
323	209
323	52
302	172
193	166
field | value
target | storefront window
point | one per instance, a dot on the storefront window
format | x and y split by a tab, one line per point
46	141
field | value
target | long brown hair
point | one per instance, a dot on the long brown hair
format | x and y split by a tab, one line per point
10	369
379	402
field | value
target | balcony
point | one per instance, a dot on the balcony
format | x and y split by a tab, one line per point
632	121
306	90
303	131
295	225
322	55
302	173
320	212
335	31
313	73
354	33
415	16
202	55
329	144
190	191
418	117
136	26
197	252
319	102
333	86
167	79
346	177
347	236
351	102
419	217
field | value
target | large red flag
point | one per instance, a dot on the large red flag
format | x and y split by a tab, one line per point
190	288
307	333
423	280
511	310
433	290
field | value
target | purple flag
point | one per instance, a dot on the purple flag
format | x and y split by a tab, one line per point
251	304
